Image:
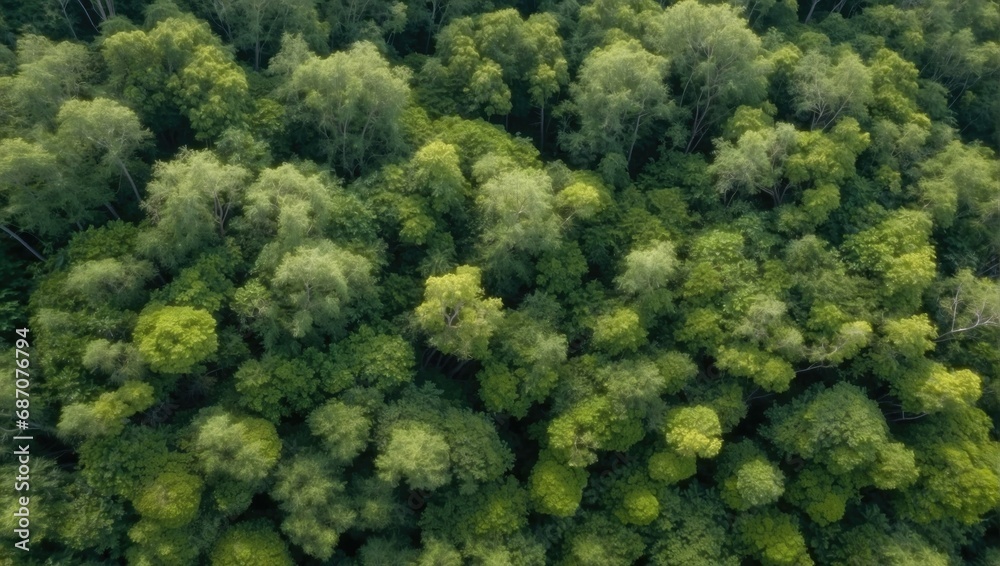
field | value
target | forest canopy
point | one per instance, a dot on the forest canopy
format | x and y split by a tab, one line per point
595	282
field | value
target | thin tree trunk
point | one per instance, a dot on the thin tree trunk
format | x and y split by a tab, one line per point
130	181
69	22
112	210
541	139
635	136
811	8
100	9
86	13
12	234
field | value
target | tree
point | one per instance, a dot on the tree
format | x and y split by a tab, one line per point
556	489
354	99
590	425
748	478
315	284
249	542
773	537
178	68
456	315
212	91
289	206
48	74
252	24
959	178
498	60
648	269
618	332
344	429
190	201
841	429
109	281
696	532
827	90
35	196
516	208
436	173
417	454
669	467
175	339
171	500
897	253
104	127
275	387
694	431
716	58
234	447
106	415
619	94
958	479
756	162
523	367
316	513
969	305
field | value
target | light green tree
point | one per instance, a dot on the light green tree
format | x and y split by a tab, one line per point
315	284
618	96
416	453
235	447
250	542
105	128
694	431
556	489
354	99
457	317
190	201
172	499
826	89
715	56
311	495
175	339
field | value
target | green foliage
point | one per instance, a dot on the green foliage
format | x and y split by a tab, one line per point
517	214
175	339
105	416
344	429
316	513
896	252
275	387
556	489
189	202
619	95
590	425
694	431
300	281
314	286
416	453
178	67
250	543
233	446
171	500
670	467
600	540
712	51
773	537
352	98
524	368
456	315
618	332
747	478
695	530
